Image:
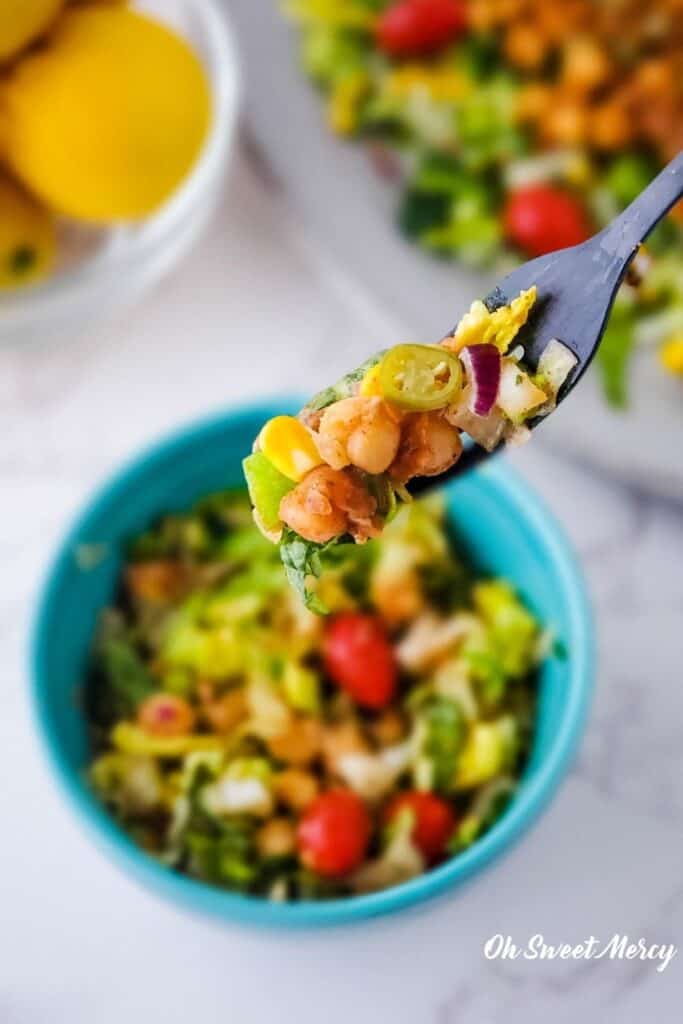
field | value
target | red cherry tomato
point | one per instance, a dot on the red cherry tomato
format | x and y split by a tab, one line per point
419	26
543	218
333	833
359	657
434	821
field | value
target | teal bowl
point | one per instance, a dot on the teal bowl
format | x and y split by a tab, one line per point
502	526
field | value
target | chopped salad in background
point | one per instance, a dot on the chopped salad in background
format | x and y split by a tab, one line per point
242	740
516	127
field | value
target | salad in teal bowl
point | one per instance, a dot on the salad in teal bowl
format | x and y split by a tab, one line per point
252	760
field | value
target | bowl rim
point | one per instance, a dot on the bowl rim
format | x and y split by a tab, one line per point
48	297
532	797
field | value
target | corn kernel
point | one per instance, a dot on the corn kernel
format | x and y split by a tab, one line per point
671	355
443	85
289	446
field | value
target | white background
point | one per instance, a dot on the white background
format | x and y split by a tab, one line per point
257	308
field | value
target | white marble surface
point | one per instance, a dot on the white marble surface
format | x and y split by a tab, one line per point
257	309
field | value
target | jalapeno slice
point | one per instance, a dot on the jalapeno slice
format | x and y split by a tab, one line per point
420	377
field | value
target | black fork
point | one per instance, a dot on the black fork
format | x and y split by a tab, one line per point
576	290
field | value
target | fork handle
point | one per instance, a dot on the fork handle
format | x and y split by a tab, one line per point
623	236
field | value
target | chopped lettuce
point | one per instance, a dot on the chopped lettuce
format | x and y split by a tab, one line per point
421	212
489	750
629	175
226	858
487	806
328	55
512	632
131	784
344	387
486	124
399	861
302	559
614	355
301	687
440	734
120	678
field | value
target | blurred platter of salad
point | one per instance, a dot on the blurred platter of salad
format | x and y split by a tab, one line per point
244	741
515	127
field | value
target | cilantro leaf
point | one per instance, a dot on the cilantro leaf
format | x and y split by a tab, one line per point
301	559
344	388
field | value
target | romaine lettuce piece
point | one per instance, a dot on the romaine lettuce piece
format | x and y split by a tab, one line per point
301	688
224	859
489	750
439	739
243	788
120	679
512	630
132	784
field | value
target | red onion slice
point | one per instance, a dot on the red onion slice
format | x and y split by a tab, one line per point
482	365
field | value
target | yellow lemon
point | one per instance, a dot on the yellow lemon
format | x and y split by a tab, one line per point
27	236
106	120
22	21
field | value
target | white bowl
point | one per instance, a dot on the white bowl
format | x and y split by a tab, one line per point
100	271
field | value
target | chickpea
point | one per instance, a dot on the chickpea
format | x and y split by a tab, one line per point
534	102
429	445
363	431
225	712
585	65
610	126
389	728
374	450
160	582
299	744
295	788
327	503
525	46
397	597
163	714
344	738
567	122
482	15
655	78
509	10
558	21
277	838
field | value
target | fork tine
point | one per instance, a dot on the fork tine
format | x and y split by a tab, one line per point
576	290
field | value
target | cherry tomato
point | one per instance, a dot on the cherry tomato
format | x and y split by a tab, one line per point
359	657
434	821
333	833
543	218
419	26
